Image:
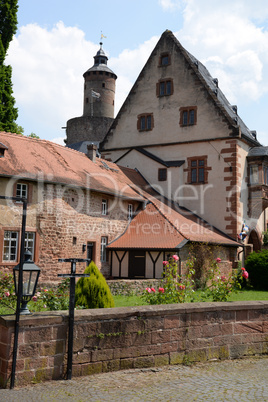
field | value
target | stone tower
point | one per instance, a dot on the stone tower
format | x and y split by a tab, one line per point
98	110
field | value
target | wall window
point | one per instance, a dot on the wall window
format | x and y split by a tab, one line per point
104	207
103	255
164	87
162	174
164	59
130	211
145	122
11	244
197	170
188	116
22	190
254	174
10	249
30	242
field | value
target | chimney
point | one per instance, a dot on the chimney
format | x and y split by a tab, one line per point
91	152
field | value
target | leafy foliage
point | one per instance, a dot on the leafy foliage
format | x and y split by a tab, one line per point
93	292
8	27
257	267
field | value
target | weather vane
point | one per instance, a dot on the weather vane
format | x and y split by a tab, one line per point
102	36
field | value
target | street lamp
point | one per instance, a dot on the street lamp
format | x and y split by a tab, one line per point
30	275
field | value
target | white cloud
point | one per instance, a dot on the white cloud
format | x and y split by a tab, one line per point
170	5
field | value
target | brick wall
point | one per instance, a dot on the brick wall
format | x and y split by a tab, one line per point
133	337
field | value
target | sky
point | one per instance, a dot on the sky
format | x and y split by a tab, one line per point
57	39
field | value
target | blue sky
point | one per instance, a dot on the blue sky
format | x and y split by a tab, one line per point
57	39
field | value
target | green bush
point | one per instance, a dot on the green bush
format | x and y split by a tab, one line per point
257	267
93	292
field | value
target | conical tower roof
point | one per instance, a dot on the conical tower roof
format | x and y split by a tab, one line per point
100	62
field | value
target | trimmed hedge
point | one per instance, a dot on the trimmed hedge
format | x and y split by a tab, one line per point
93	292
257	267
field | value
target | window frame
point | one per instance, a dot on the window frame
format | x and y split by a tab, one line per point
130	211
103	251
33	247
104	207
162	174
191	116
146	117
164	56
204	168
9	260
163	84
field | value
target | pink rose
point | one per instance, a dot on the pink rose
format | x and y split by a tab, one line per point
161	290
181	287
34	298
243	269
223	278
218	260
165	263
148	290
153	289
175	257
7	294
245	274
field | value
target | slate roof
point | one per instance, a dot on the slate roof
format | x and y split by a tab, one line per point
258	151
143	151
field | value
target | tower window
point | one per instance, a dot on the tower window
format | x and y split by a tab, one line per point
103	85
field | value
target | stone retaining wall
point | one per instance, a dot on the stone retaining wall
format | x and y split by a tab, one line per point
132	337
127	287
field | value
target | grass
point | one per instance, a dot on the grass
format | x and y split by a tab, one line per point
134	300
242	295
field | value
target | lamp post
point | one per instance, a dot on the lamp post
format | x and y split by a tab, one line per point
30	275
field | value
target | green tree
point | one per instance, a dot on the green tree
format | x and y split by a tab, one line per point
8	27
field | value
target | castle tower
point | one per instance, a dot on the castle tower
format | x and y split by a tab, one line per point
98	110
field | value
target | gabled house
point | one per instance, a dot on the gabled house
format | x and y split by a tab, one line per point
81	206
179	131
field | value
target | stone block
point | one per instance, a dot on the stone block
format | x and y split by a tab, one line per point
113	365
161	336
211	330
142	362
169	347
197	355
177	357
219	353
172	321
40	334
161	360
248	327
101	355
237	351
126	364
241	315
91	368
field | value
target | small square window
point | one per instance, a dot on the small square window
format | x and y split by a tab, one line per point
22	190
164	59
188	116
164	87
145	122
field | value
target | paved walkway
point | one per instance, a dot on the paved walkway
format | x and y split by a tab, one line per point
231	380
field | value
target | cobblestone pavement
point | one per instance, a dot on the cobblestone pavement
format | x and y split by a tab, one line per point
230	380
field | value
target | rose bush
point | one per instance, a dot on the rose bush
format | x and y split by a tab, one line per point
174	288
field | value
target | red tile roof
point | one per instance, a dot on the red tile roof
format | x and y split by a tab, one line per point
34	159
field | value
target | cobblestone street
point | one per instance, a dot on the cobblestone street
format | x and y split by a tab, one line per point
230	380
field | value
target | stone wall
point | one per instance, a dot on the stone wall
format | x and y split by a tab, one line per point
132	337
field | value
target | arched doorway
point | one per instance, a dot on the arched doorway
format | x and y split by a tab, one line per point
255	240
